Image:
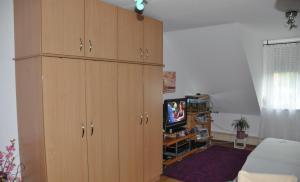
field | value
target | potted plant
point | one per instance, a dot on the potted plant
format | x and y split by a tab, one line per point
241	125
8	164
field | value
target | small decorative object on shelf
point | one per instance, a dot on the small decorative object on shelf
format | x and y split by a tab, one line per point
199	110
198	103
201	117
7	164
202	134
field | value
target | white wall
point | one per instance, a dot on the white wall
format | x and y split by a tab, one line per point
211	60
224	61
222	123
8	121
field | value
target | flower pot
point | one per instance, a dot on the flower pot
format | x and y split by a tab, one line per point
241	134
3	176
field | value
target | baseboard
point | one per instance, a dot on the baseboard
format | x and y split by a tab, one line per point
251	140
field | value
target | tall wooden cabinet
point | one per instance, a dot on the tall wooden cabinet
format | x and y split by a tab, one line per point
64	116
102	119
80	131
131	122
153	126
140	125
89	92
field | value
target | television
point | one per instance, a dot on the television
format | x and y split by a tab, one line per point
175	114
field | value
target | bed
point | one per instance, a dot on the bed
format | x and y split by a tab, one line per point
275	156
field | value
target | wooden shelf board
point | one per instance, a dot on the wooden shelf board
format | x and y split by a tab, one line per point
179	158
204	123
206	139
171	141
196	113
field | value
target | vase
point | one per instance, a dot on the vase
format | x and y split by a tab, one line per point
3	177
240	134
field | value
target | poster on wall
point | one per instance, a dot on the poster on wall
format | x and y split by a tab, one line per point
169	82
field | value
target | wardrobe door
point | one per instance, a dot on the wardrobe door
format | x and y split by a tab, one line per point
65	119
130	36
102	117
153	41
153	107
130	96
63	27
100	30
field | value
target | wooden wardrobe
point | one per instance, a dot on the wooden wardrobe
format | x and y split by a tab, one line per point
89	92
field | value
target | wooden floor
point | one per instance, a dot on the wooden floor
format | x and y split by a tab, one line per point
214	142
230	144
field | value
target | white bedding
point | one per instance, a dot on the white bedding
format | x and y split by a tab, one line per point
275	156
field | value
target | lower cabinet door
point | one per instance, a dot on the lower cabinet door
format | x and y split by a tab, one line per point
153	108
102	121
65	119
130	96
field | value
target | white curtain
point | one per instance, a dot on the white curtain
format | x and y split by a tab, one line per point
281	92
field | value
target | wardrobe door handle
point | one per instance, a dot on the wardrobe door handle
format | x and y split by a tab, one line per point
92	129
147	53
91	46
81	44
141	53
141	121
22	167
147	118
83	131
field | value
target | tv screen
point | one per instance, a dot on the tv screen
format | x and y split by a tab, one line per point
175	112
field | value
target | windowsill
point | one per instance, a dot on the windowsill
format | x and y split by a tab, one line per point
289	110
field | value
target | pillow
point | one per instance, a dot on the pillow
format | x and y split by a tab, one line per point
262	177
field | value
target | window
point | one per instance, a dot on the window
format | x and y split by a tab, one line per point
281	83
285	90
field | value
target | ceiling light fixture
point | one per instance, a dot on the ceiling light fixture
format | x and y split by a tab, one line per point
140	6
291	15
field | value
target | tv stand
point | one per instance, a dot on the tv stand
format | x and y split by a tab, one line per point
175	149
175	130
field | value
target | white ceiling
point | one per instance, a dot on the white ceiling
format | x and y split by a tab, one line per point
183	14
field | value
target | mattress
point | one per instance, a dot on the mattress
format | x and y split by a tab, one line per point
275	156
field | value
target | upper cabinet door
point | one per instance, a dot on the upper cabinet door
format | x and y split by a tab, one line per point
100	30
102	117
130	36
65	119
153	41
63	27
153	135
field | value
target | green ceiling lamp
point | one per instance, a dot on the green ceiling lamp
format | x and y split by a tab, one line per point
139	6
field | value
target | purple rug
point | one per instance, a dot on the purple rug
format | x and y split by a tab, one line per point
216	164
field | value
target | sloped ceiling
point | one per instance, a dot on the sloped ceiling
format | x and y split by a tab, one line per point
212	60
